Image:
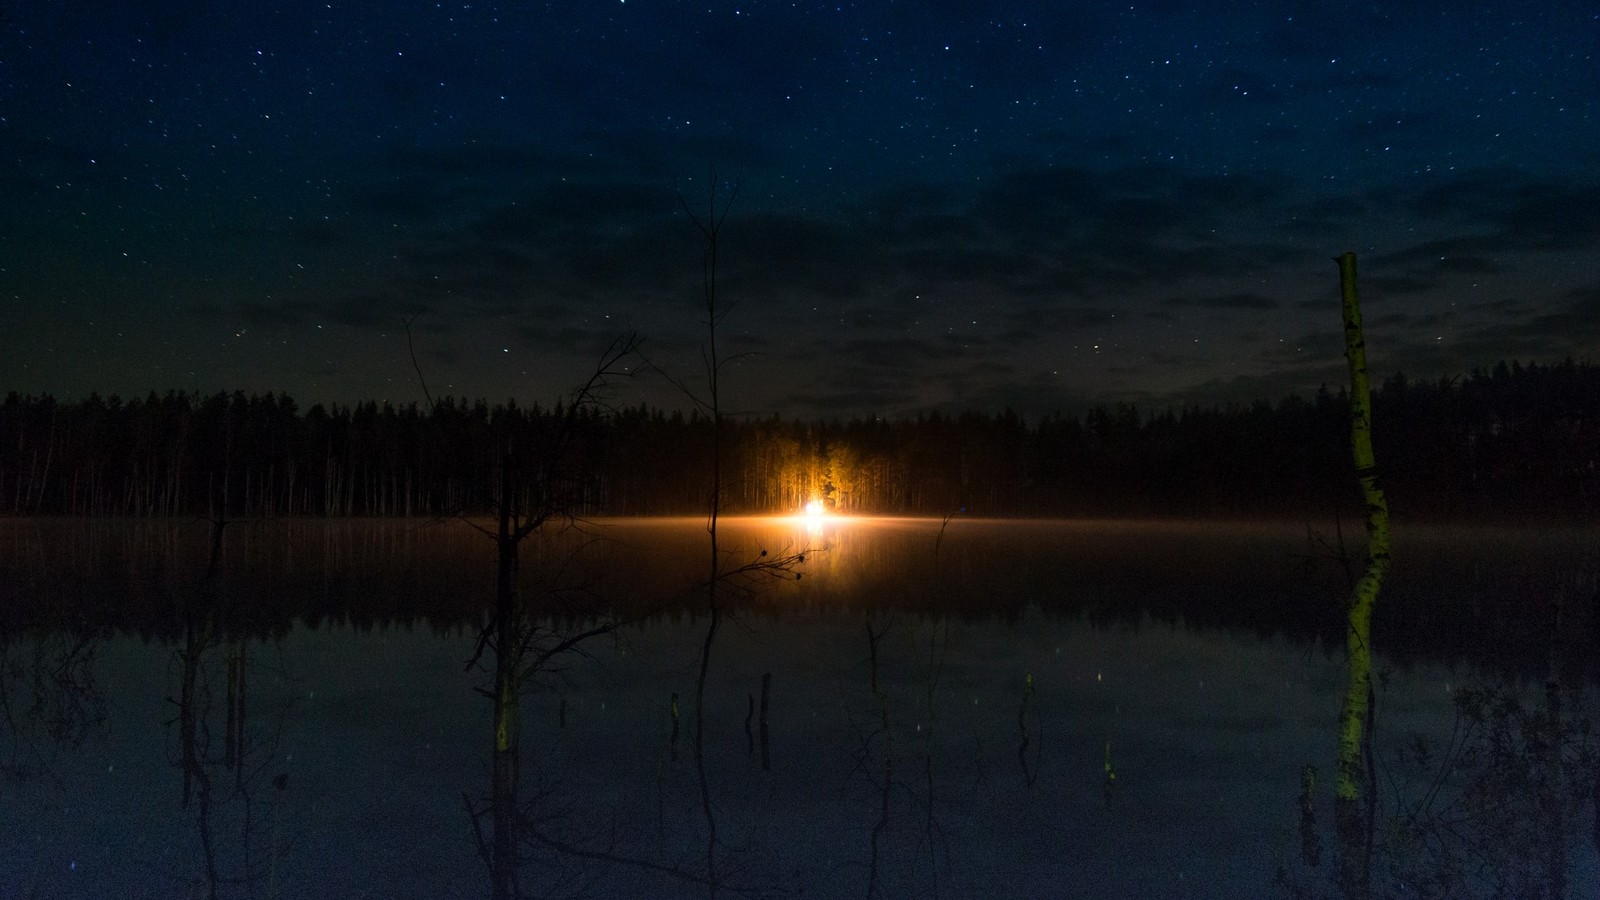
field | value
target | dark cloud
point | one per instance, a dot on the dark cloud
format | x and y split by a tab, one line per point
1553	217
1036	396
780	254
1520	211
905	354
1444	345
1033	326
1583	299
848	403
565	338
966	264
371	311
1398	284
1432	252
589	239
1069	203
1244	389
255	312
568	211
1226	301
1481	195
1468	265
1506	307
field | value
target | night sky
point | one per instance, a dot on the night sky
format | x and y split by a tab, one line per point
942	205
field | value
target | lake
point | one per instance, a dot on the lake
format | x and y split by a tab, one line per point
955	709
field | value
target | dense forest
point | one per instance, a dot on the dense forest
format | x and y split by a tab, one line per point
1515	440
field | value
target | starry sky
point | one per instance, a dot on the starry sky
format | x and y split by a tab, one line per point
940	205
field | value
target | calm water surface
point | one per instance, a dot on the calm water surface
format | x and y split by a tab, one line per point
1064	709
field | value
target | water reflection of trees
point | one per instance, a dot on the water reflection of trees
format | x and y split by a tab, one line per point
1494	809
235	792
51	702
49	696
1499	800
574	837
1460	597
241	844
904	798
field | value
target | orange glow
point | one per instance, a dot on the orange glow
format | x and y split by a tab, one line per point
815	509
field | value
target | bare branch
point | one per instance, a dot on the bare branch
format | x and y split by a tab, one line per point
414	364
682	387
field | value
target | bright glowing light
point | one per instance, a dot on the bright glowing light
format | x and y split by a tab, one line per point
814	508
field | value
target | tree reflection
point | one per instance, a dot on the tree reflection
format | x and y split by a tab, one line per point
50	703
1493	810
49	697
532	493
884	733
222	788
878	746
1489	812
520	642
1495	817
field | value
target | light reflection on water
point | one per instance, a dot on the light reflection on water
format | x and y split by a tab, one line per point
985	677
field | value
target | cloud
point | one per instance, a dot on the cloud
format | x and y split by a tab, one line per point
371	310
1071	203
1553	217
1035	396
1045	234
254	312
1039	256
906	354
1243	300
1246	388
776	254
1398	284
564	338
1519	211
563	211
1484	333
849	402
1033	326
1476	195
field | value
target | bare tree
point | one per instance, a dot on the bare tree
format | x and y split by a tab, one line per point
724	574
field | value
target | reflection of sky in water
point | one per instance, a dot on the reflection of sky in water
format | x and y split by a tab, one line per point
382	733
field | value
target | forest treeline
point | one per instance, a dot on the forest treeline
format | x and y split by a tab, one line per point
1514	440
